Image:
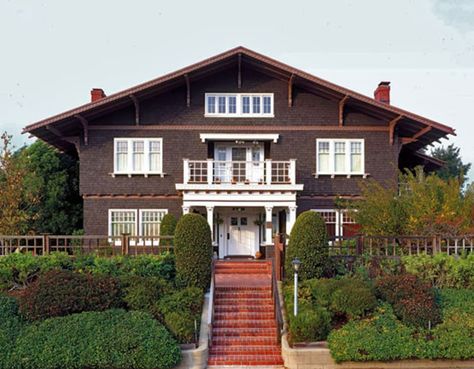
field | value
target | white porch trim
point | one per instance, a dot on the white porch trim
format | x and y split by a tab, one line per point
239	136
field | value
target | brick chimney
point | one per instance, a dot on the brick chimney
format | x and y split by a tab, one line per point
97	94
382	92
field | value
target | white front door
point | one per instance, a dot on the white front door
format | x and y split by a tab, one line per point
242	237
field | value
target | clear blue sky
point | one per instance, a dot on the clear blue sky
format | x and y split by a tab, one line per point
55	51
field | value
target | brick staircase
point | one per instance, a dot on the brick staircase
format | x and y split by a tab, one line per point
244	329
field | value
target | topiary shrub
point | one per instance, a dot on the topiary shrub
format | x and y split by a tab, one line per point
167	228
193	250
309	325
59	293
101	340
353	301
413	301
309	243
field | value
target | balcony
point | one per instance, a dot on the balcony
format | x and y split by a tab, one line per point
239	173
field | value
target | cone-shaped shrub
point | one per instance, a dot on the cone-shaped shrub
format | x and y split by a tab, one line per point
193	249
309	243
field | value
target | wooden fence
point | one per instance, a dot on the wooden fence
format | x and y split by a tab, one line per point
396	246
74	245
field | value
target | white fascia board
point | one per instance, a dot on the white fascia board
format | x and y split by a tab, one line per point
240	136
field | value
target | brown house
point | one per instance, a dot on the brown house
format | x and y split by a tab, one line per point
245	140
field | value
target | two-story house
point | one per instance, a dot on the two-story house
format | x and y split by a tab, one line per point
245	140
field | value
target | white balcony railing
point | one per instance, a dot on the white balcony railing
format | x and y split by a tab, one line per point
266	172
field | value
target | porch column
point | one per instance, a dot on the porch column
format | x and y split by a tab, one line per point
210	219
185	209
291	218
268	225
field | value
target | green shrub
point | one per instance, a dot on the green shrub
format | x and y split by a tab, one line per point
18	270
381	337
167	228
143	293
310	325
10	326
353	301
180	310
162	266
308	242
413	301
441	270
59	293
100	340
193	249
454	301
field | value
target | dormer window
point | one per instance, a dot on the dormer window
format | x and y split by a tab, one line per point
238	105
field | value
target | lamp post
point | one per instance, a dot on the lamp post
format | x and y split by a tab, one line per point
296	266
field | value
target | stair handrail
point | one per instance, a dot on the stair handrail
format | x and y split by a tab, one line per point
210	312
276	302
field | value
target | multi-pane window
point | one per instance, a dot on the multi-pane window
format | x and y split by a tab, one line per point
126	221
122	221
138	156
339	156
239	105
150	221
339	222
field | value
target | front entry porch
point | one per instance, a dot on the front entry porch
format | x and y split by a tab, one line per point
245	231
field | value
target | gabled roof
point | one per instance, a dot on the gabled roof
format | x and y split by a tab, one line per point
411	123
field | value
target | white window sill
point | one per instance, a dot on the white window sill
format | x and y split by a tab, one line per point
239	115
347	175
129	175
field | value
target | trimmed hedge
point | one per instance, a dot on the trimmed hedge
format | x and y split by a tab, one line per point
19	270
10	326
452	301
59	293
413	301
167	228
101	340
382	337
180	311
193	250
309	325
143	293
309	243
353	300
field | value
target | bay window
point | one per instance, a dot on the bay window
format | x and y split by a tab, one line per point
340	157
138	156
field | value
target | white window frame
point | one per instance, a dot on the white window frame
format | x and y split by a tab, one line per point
339	224
239	105
146	153
123	210
332	156
140	218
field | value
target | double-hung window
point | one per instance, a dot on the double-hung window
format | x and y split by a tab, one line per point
143	222
238	105
339	156
138	156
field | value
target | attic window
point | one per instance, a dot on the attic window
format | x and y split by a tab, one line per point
238	105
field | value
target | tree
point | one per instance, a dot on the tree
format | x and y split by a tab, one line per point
424	205
167	228
454	167
193	250
15	201
54	176
309	243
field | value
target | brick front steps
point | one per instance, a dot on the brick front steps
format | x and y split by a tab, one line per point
244	327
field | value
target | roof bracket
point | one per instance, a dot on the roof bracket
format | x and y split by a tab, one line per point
342	103
391	126
85	128
188	91
239	72
290	90
421	132
136	103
